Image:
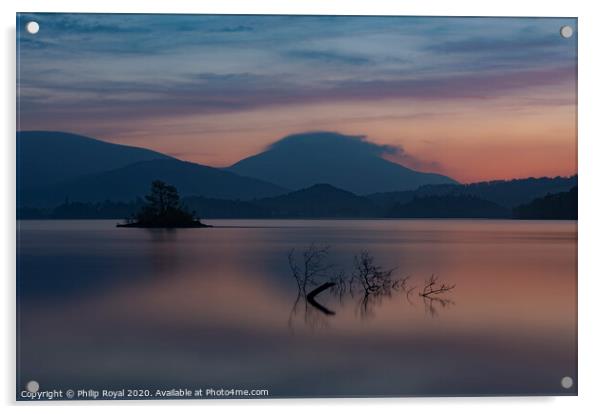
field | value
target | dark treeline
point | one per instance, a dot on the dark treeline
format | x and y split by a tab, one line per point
78	210
449	206
326	201
560	206
508	194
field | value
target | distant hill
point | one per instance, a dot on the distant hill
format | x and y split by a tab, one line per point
449	206
62	175
560	206
53	166
346	162
49	157
320	200
101	210
507	194
219	208
127	183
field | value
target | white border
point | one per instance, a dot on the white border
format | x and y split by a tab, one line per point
590	177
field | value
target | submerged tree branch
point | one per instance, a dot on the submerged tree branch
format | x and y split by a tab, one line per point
431	288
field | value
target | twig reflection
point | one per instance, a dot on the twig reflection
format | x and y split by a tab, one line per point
368	283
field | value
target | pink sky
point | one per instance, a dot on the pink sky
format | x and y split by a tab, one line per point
472	98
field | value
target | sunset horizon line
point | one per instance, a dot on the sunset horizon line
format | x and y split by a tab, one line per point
179	157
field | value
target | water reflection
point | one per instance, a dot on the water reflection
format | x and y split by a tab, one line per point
368	285
432	295
106	307
433	305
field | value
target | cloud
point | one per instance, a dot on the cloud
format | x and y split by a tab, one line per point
349	147
103	68
209	93
333	141
408	160
68	24
327	57
471	85
527	51
234	29
490	45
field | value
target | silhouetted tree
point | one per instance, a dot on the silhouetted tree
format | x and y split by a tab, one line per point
163	209
162	198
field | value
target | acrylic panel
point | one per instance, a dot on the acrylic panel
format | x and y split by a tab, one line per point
248	206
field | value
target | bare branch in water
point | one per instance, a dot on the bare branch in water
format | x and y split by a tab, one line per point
312	271
431	295
371	281
294	268
432	303
432	288
313	267
374	279
339	285
374	282
312	295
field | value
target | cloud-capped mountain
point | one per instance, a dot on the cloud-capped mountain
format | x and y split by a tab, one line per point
344	161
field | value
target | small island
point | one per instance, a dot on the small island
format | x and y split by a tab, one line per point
163	210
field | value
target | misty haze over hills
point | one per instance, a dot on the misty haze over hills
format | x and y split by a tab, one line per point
348	162
62	175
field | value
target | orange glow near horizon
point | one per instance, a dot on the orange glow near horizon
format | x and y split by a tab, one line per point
466	97
470	140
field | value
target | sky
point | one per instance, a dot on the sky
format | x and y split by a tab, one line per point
473	98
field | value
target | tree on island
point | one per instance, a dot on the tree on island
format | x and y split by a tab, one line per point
163	209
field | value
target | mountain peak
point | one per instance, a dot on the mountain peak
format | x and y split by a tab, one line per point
330	144
49	157
323	187
319	138
349	162
319	200
52	165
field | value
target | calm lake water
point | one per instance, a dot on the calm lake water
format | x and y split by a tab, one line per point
108	308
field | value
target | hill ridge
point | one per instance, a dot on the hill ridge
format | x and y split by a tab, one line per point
349	162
